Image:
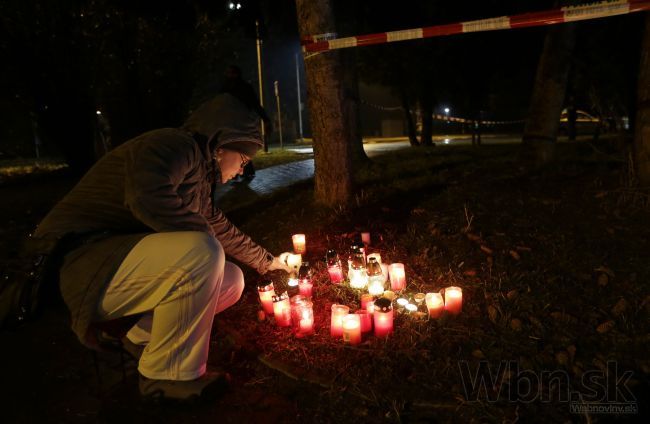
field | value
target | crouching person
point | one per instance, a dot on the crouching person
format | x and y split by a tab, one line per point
146	247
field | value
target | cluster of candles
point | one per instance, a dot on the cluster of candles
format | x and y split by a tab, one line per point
364	273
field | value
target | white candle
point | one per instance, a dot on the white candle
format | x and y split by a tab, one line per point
435	304
365	238
352	329
397	276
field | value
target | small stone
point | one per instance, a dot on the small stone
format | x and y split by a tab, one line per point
261	316
562	357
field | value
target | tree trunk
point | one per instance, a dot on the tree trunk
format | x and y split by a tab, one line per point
642	126
351	106
426	111
410	125
324	71
540	131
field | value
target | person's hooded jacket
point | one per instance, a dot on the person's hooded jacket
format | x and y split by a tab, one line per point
160	181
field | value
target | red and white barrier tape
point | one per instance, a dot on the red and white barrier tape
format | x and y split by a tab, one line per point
325	42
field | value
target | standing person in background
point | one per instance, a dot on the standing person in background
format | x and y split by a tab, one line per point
234	85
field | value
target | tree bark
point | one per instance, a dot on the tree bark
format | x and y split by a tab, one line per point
325	92
410	125
426	109
642	126
542	125
351	106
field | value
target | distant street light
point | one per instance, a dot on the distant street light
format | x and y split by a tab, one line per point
447	114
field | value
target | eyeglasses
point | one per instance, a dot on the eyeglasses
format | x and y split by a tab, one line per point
244	161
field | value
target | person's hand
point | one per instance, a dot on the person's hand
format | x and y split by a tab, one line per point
280	262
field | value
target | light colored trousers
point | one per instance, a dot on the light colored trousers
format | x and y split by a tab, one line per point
179	281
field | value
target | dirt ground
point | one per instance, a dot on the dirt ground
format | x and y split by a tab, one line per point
555	276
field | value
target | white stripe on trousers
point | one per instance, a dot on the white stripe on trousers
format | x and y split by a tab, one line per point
178	280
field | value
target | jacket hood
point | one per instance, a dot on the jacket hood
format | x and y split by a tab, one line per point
223	120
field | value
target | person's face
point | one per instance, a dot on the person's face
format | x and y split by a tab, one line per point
231	163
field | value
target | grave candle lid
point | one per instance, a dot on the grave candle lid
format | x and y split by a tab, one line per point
383	305
265	286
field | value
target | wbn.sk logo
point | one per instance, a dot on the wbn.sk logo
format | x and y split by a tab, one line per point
595	391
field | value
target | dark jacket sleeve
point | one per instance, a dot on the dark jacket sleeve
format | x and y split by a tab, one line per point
153	174
238	245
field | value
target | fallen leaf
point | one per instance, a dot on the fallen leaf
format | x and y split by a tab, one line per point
478	354
564	317
418	211
537	323
486	249
514	255
523	248
605	327
572	352
473	237
516	324
493	313
619	308
562	357
261	316
605	270
600	194
470	273
512	294
602	280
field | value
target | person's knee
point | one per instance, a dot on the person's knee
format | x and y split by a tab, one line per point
236	278
205	253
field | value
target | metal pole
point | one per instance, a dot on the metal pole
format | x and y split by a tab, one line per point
259	79
299	102
277	100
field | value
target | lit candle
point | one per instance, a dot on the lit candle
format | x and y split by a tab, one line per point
383	317
282	310
375	277
365	298
402	302
366	320
294	261
352	329
304	280
299	243
453	300
302	316
336	323
397	276
266	292
370	306
336	273
305	285
365	238
377	257
358	278
435	304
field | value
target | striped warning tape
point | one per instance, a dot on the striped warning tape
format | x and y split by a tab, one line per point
325	42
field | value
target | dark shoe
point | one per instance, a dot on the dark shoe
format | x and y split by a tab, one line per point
210	385
134	350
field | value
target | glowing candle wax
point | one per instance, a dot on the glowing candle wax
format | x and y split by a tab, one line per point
305	287
282	310
397	276
334	266
365	298
375	277
336	323
299	243
366	320
336	273
266	292
453	300
383	317
302	316
435	304
352	329
358	278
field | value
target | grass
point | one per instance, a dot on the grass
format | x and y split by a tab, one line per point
278	157
550	264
